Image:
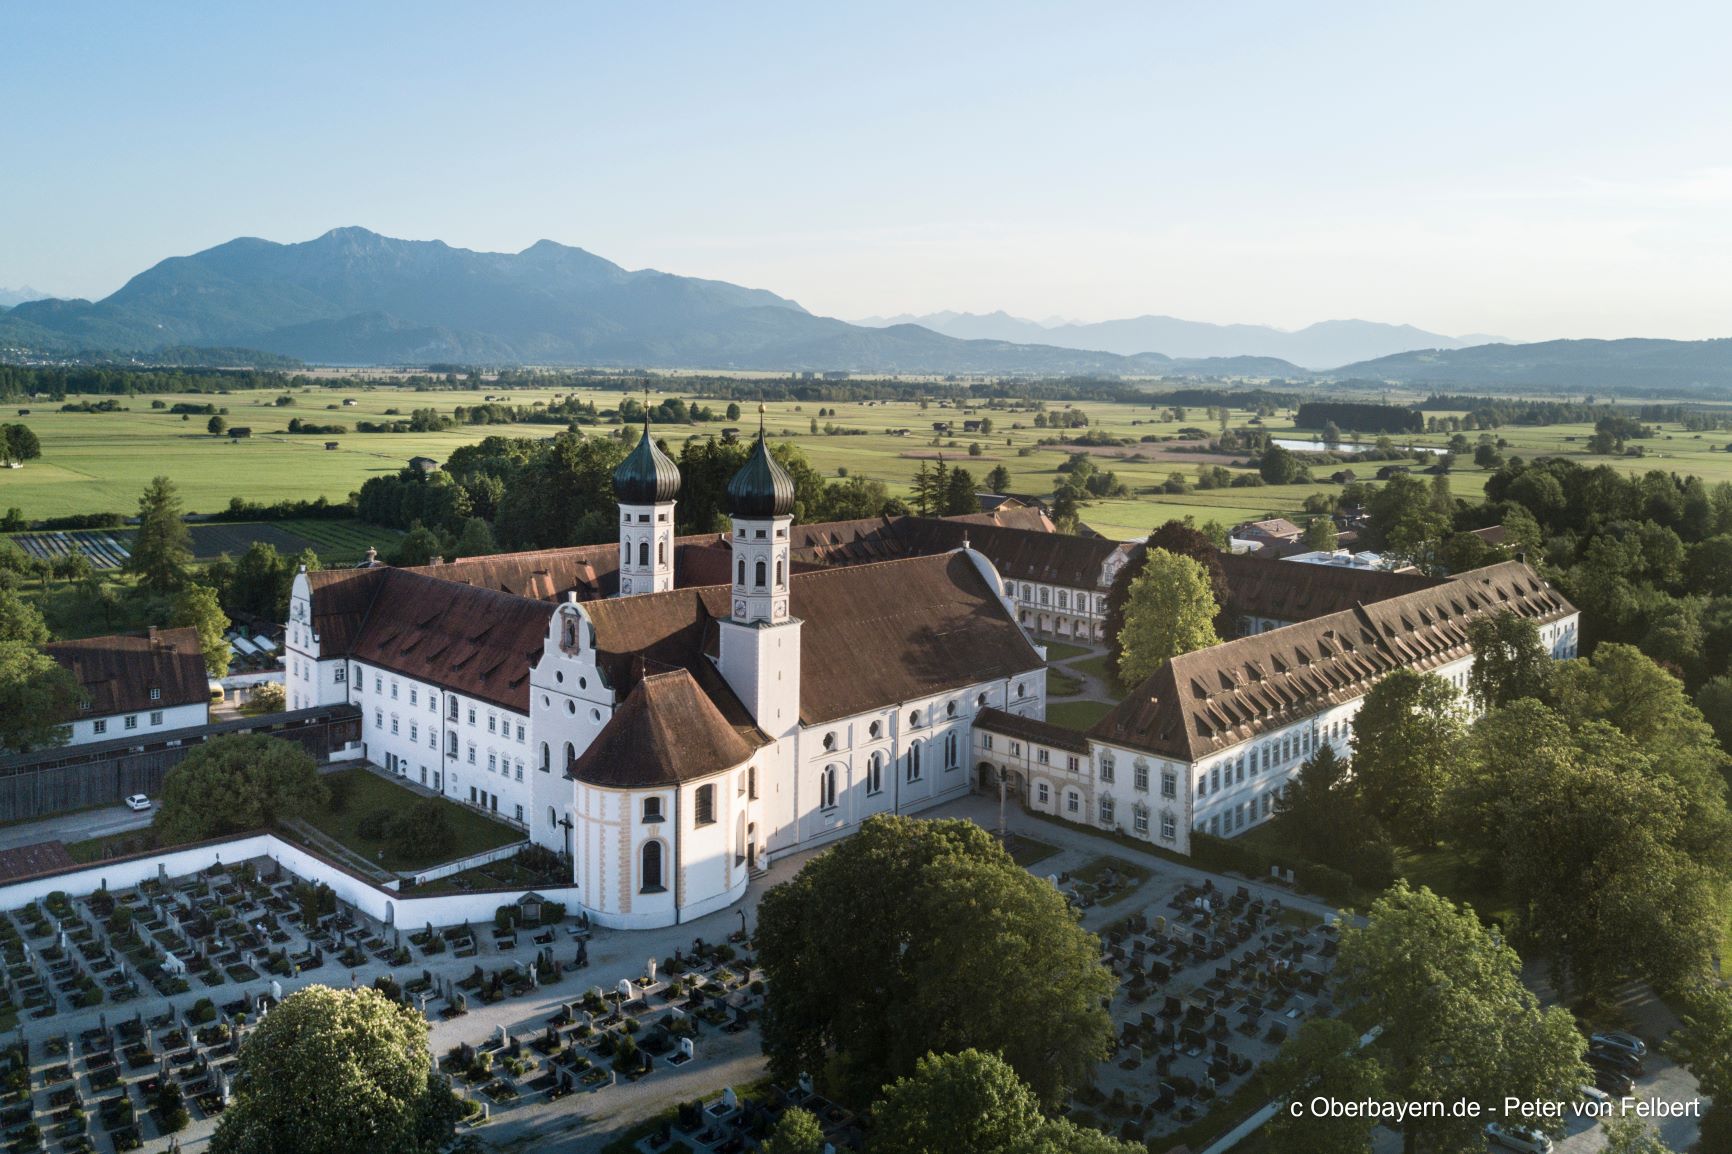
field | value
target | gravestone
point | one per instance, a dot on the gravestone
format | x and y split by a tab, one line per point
687	1049
625	989
650	970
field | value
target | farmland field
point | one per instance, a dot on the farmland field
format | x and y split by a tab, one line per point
99	462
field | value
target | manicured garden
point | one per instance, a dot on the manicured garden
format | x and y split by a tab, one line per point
1078	715
359	816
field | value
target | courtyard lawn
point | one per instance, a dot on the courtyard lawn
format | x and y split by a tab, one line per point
1078	715
1061	684
1060	651
1096	667
366	792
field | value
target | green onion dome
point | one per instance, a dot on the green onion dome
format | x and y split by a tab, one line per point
647	477
761	488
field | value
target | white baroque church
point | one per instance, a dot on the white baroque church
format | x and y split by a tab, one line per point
672	713
674	716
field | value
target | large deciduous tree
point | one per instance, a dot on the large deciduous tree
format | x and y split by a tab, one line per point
235	783
1170	610
1509	661
1323	1059
20	620
974	1102
914	936
336	1072
162	547
1175	537
1406	739
197	606
1457	1021
38	697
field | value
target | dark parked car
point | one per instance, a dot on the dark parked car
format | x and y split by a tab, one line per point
1616	1060
1614	1082
1619	1040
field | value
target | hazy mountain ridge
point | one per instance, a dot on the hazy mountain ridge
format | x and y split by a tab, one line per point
1631	362
1318	346
354	297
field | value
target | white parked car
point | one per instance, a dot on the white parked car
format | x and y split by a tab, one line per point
1513	1137
138	802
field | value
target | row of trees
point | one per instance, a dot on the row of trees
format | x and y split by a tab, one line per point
532	494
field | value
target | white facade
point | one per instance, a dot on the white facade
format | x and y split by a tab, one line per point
1162	800
143	724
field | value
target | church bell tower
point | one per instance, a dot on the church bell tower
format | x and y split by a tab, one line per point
645	485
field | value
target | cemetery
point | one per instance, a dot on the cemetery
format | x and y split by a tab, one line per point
1212	981
127	1005
130	1005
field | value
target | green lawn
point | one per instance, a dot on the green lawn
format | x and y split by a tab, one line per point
1077	715
1095	666
1061	684
367	791
1445	871
1060	651
98	462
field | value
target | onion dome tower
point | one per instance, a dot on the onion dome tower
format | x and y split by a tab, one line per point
761	503
645	484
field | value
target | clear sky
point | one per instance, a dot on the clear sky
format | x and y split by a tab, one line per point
1527	169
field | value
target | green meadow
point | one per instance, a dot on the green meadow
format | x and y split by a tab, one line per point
99	462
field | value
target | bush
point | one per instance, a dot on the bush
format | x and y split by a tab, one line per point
376	826
424	829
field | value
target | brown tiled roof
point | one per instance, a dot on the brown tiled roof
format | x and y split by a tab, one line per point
590	571
1026	555
1031	730
1207	700
471	640
1491	534
340	600
666	731
1273	527
885	633
873	635
1287	591
29	860
118	672
1010	517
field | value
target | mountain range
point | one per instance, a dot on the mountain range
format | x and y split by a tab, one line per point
354	297
17	296
1323	345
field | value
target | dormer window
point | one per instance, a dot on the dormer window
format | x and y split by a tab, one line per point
155	694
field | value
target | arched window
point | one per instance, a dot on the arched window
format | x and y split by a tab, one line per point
570	756
552	817
951	761
827	788
652	868
779	579
875	772
643	552
759	572
742	571
546	758
914	760
661	552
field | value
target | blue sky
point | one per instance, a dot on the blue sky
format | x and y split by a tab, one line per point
1535	170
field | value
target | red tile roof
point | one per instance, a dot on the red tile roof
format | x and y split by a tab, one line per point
118	672
666	731
1208	700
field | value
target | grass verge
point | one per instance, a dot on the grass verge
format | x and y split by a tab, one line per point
359	792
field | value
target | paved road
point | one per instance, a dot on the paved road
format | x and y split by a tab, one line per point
74	826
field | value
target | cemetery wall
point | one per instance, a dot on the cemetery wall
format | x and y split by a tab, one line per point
385	905
480	859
